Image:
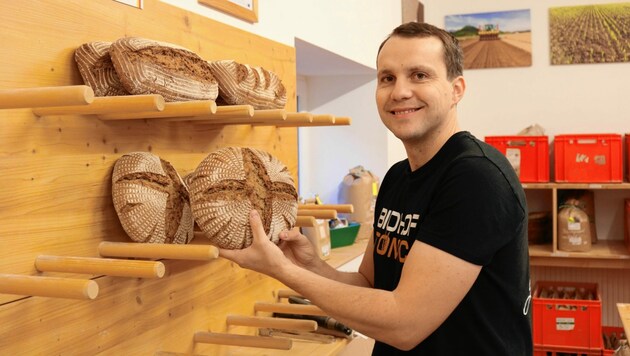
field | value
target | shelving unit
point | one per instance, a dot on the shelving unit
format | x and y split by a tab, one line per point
610	252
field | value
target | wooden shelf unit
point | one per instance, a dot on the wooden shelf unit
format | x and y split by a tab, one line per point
610	252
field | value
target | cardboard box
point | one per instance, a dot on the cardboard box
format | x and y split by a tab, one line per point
529	155
319	235
588	158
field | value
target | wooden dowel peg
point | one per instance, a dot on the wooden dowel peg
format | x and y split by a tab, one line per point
340	208
105	266
300	117
341	121
305	221
46	96
286	293
324	119
48	286
242	340
286	308
108	105
270	322
158	251
278	115
318	213
172	111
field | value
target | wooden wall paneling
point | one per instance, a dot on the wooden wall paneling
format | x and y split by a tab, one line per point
55	189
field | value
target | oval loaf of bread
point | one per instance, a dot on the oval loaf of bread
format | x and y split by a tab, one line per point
232	181
240	84
152	67
151	199
97	70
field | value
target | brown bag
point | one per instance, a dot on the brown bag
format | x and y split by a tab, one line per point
574	232
359	188
585	199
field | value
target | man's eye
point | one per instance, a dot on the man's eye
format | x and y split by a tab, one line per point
420	76
387	79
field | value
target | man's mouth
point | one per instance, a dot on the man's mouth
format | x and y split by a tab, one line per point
404	112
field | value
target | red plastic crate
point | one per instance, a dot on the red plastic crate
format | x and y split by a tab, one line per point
588	158
565	351
608	330
627	138
567	323
529	155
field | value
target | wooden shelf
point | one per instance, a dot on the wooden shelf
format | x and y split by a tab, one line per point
606	253
80	100
603	254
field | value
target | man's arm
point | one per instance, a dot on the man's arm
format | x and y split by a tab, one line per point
433	283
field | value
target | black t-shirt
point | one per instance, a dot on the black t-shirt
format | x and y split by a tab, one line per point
467	201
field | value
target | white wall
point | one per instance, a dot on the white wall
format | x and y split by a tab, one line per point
350	28
564	99
502	101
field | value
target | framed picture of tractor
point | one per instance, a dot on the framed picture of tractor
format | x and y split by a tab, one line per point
493	39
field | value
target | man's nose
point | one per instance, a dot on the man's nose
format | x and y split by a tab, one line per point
402	90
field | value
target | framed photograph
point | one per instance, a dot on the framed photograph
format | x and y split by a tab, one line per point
493	39
589	34
243	9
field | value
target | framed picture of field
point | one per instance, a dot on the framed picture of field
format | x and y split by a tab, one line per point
493	39
590	33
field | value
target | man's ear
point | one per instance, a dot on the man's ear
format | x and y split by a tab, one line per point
459	88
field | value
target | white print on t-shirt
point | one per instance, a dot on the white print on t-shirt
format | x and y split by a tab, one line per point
528	300
391	221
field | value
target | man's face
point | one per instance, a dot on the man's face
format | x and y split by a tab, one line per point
413	94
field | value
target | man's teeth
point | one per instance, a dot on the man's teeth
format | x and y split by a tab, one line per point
404	112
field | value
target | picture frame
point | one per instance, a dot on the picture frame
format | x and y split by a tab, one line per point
243	9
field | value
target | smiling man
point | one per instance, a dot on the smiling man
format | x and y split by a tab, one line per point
447	270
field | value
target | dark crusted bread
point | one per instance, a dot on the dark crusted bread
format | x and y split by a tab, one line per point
97	70
240	84
152	67
151	199
232	181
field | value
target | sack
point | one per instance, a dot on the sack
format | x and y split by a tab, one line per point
585	199
359	188
574	232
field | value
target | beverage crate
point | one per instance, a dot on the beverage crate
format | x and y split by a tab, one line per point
627	138
607	332
626	222
529	155
588	158
562	321
565	351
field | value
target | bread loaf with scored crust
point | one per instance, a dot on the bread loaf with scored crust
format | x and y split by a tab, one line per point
232	181
153	67
151	199
97	70
241	84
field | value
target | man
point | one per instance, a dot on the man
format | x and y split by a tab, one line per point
447	270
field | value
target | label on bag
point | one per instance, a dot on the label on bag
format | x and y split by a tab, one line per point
565	323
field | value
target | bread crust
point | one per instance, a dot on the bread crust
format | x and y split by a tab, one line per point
97	70
232	181
153	67
151	199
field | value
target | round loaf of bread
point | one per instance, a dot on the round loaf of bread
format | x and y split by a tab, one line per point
97	70
153	67
241	84
151	199
232	181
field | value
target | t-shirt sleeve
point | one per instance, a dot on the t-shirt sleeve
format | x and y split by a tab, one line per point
473	213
